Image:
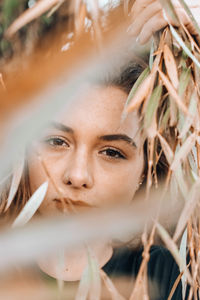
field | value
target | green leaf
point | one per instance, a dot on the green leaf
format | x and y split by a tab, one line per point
152	106
140	79
183	45
9	10
184	81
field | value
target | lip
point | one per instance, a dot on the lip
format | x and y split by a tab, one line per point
73	205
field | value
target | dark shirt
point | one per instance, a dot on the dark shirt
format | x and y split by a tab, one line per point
162	270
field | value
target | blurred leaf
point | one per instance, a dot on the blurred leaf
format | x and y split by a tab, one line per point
190	15
151	54
183	45
183	151
8	10
188	209
29	15
169	9
183	254
83	288
110	286
170	244
181	182
17	174
190	118
31	206
171	66
95	287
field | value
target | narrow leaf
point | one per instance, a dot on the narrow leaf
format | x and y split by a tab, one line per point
169	8
173	249
183	151
183	254
185	48
171	67
31	206
141	93
111	288
188	209
166	149
84	285
17	174
95	288
190	15
152	106
173	92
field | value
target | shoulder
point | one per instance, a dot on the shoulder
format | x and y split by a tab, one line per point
162	269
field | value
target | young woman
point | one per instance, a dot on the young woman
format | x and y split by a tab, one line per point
92	160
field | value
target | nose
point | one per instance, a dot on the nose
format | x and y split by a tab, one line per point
78	173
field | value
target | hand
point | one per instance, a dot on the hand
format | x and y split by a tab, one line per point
148	17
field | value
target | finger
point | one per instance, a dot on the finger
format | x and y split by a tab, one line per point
154	24
139	5
146	15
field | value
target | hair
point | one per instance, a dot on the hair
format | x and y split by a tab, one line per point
124	78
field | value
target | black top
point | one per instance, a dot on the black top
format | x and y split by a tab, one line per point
162	270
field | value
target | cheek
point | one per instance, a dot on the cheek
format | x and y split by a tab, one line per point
120	183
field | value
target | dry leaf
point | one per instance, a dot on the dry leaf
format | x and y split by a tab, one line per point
17	174
31	206
171	67
166	148
141	94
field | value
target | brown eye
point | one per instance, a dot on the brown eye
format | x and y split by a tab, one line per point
56	142
113	153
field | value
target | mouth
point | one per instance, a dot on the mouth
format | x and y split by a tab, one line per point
71	205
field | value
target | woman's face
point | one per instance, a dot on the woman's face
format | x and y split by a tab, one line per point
92	158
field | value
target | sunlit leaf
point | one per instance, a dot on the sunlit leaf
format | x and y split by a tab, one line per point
141	93
171	66
183	45
173	92
166	148
31	206
183	151
189	208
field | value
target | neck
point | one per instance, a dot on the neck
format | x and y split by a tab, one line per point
69	266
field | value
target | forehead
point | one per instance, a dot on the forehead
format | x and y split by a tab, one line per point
99	107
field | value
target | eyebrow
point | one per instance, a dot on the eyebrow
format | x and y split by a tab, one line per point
61	127
108	137
118	137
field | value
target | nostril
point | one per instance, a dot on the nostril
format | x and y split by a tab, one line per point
69	182
84	185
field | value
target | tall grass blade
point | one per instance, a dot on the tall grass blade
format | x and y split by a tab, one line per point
171	66
188	209
17	174
95	287
31	206
183	254
84	285
183	45
152	106
169	154
190	15
141	93
173	92
170	244
183	151
114	294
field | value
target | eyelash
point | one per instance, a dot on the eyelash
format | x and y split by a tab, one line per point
117	153
50	141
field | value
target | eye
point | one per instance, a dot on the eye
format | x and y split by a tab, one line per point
113	153
56	142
